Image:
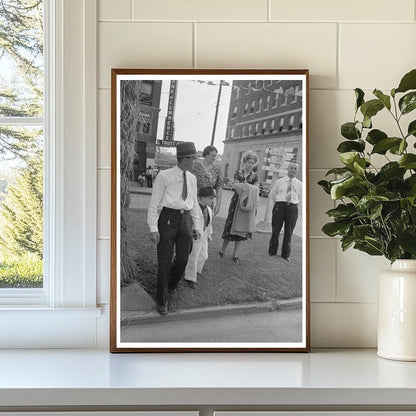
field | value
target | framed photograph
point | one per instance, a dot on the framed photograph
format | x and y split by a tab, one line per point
209	211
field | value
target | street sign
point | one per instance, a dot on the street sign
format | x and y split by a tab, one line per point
166	143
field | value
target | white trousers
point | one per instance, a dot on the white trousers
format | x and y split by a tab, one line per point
197	258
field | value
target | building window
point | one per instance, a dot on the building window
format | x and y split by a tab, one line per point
256	129
276	99
253	104
245	109
232	130
260	104
295	95
285	97
300	121
272	125
291	121
263	130
282	122
234	112
267	103
236	92
250	129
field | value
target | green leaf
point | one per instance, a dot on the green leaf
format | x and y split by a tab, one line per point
411	130
385	99
408	161
408	82
338	171
374	136
399	148
342	211
383	145
349	146
333	229
348	158
408	103
325	186
367	122
369	248
407	240
359	94
371	108
375	212
349	131
347	187
346	242
391	170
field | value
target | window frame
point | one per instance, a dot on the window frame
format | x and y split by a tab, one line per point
67	315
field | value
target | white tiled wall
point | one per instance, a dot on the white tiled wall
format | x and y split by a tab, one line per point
345	44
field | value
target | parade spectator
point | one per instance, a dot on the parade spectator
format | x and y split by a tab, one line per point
199	253
247	176
285	196
174	221
209	175
141	179
149	176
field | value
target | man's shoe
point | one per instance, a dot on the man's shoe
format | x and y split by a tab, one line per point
163	309
191	284
286	258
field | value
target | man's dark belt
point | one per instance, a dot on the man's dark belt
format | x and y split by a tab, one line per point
176	211
285	203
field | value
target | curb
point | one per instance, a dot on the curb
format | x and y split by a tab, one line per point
153	316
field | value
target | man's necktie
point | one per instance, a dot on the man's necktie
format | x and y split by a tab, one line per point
185	187
289	191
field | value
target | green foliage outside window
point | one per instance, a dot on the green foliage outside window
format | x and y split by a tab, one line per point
21	146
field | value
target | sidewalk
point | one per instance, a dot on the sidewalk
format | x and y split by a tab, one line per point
138	307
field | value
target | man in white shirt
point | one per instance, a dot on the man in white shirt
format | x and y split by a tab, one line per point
286	195
173	218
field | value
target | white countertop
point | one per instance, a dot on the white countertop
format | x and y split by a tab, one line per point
96	377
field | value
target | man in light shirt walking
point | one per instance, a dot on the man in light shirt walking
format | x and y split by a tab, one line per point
173	219
286	194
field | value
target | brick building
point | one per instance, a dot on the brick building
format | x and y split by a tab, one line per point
265	117
146	130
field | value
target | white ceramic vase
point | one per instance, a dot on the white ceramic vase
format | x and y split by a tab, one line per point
397	312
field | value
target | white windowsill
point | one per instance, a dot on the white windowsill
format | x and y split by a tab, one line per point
322	379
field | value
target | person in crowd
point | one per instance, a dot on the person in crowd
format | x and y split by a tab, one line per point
174	220
243	176
285	196
141	178
199	253
209	175
149	176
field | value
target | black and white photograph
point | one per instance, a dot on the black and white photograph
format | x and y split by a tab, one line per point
209	212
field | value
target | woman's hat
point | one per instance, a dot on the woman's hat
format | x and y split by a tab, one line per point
207	191
185	149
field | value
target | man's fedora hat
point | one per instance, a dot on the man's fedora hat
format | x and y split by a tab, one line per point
185	149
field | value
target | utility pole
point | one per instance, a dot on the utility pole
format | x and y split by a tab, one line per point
216	114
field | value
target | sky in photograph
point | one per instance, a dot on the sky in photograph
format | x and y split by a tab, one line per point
195	112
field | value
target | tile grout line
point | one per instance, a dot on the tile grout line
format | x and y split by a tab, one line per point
269	11
194	63
338	55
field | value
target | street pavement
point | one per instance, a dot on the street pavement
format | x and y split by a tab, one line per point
274	326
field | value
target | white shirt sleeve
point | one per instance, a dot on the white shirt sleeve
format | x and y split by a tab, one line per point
155	200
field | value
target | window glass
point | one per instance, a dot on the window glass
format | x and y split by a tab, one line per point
21	144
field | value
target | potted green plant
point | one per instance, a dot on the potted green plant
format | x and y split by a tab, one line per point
376	206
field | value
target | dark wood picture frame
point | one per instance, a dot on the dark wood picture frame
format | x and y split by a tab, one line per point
261	303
